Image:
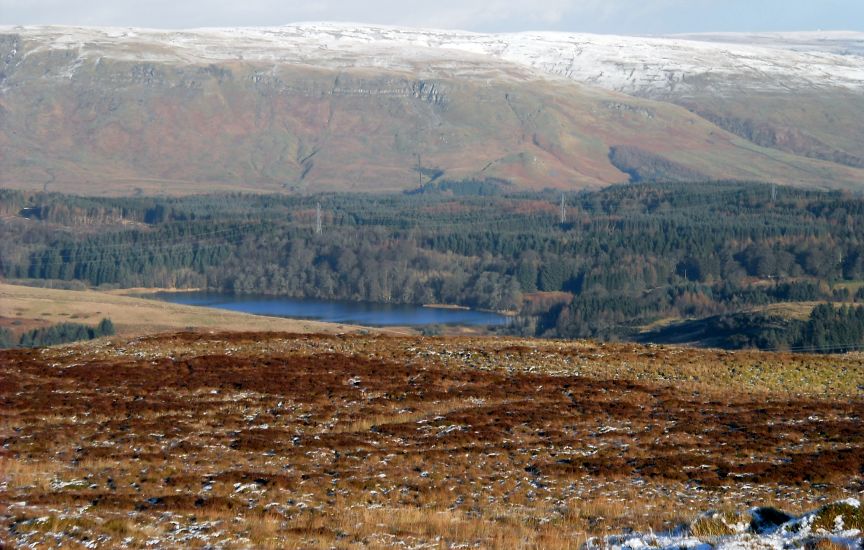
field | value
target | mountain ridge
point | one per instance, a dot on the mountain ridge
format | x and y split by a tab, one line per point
575	56
339	107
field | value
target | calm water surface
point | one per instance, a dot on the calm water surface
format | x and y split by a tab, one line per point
360	313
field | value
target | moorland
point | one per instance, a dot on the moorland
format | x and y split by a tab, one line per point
274	440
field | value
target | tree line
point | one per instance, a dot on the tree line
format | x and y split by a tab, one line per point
62	333
625	257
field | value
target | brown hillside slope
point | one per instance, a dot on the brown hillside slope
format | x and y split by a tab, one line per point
96	126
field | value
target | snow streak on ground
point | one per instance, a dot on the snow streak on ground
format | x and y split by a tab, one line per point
838	524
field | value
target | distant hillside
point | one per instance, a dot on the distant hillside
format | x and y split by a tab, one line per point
330	107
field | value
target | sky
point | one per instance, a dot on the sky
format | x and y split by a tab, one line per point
598	16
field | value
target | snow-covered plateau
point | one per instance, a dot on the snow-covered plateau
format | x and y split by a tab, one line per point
648	66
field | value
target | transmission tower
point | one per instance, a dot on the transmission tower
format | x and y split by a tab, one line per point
318	218
773	192
563	210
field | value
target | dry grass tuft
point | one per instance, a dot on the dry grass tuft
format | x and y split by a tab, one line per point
828	517
707	527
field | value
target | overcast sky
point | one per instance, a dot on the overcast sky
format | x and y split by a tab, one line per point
601	16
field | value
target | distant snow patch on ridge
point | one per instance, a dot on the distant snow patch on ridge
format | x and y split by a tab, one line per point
836	42
649	66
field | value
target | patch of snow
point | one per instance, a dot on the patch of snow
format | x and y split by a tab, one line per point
794	533
245	487
58	485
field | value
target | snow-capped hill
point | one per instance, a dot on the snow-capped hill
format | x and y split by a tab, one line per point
650	66
352	107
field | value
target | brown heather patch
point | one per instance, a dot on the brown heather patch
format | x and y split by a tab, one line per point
272	440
